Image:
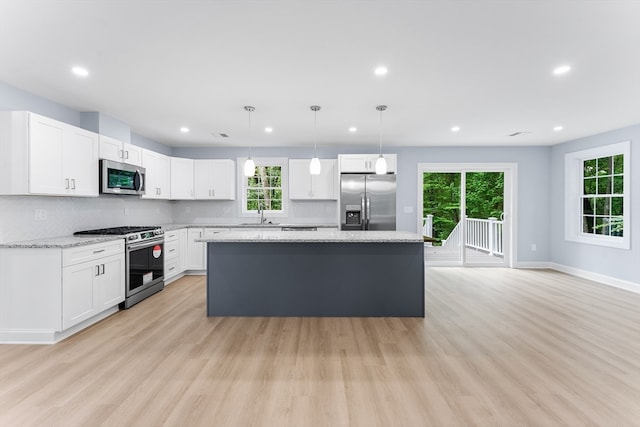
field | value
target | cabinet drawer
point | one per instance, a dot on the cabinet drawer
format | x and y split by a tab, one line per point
170	249
171	267
170	236
87	253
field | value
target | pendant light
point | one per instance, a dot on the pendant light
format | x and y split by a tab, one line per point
381	163
249	164
315	167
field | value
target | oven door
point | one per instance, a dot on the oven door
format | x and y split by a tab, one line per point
145	265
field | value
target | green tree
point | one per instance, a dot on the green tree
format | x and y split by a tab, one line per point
441	196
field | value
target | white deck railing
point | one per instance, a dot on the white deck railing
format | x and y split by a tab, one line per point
481	234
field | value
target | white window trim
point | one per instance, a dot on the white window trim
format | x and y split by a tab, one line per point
283	162
573	170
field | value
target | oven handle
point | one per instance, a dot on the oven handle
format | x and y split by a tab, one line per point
145	244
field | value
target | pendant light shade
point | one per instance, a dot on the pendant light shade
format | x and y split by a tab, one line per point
249	164
315	167
381	166
249	167
381	163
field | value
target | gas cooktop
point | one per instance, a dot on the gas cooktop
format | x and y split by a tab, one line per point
117	231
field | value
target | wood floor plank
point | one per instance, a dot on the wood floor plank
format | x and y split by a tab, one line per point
498	347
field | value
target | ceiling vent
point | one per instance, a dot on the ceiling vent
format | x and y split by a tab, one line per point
520	133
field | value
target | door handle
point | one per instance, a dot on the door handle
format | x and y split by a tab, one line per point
73	183
66	183
121	154
126	154
363	214
368	211
97	270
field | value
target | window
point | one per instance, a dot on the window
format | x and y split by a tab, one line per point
597	196
266	188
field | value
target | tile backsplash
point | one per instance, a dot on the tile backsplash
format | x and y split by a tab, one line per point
62	216
34	217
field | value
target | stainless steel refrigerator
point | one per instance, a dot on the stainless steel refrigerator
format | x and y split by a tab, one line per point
367	202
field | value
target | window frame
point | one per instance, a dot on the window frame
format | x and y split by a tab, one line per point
283	163
574	181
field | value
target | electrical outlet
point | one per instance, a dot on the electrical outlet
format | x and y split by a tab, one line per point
39	214
533	247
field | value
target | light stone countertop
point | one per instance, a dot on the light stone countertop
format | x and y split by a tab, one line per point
320	236
59	242
273	226
73	241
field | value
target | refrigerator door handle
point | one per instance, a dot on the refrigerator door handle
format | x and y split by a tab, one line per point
363	215
368	217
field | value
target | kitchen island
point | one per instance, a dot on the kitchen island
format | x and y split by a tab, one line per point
315	273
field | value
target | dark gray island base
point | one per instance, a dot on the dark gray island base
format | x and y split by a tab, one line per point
287	275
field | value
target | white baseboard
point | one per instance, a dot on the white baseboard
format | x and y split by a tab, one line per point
533	264
596	277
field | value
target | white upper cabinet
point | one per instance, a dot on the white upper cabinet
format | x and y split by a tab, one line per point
304	186
215	179
113	149
157	175
181	178
364	163
40	155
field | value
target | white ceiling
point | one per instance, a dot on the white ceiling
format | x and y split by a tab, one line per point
485	66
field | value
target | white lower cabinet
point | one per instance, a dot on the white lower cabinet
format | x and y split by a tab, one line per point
47	294
197	251
91	287
175	253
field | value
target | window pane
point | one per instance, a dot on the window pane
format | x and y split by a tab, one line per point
604	185
604	166
617	226
590	186
590	167
618	184
616	205
618	163
602	206
588	205
602	225
587	224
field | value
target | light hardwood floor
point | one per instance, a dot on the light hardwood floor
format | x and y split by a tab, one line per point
498	347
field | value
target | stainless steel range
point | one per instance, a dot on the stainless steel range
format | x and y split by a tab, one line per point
144	260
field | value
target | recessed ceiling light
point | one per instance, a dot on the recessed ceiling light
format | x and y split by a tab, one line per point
455	128
268	129
558	128
562	69
80	71
353	129
381	71
184	129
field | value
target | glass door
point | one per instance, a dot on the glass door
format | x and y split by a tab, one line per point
465	217
484	219
442	216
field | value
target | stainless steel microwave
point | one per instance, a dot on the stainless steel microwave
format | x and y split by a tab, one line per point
121	178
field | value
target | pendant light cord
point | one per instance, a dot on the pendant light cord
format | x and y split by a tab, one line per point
381	131
315	132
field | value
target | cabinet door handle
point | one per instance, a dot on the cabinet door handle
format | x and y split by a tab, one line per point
213	192
97	270
73	184
172	250
126	154
121	155
172	268
98	251
102	268
66	183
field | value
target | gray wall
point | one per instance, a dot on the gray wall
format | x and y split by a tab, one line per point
533	181
618	263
